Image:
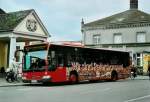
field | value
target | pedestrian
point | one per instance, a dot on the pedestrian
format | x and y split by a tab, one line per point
14	67
148	71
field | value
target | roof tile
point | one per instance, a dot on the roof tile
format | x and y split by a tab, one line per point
126	17
9	21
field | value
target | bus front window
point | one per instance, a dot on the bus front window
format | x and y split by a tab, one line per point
35	60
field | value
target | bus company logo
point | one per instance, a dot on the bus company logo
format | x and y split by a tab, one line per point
31	25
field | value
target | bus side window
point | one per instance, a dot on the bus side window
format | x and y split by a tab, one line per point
60	60
52	61
52	65
68	60
49	60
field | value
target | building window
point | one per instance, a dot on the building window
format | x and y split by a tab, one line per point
139	59
141	37
117	38
96	39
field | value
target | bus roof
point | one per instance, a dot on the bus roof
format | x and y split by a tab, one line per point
85	47
74	46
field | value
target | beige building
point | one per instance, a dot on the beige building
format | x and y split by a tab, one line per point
126	31
16	30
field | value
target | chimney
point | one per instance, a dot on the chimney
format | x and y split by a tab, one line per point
82	22
133	4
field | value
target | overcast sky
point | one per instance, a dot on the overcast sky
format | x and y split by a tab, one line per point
62	18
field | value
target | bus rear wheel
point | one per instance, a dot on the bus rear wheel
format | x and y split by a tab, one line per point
73	78
114	75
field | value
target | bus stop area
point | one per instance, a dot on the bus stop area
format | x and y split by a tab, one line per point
4	83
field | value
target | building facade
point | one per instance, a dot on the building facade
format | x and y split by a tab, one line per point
16	30
126	31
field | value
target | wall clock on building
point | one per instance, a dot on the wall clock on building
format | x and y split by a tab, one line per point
31	25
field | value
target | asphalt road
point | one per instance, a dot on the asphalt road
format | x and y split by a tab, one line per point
120	91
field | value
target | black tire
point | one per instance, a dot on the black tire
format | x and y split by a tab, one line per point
132	76
114	75
73	78
10	77
9	80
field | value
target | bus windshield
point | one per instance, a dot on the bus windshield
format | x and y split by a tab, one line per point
38	54
35	60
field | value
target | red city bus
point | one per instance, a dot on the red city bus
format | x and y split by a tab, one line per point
60	63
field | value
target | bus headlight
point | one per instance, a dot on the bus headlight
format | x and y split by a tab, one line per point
46	77
24	78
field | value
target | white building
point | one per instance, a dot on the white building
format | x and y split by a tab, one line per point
16	30
127	31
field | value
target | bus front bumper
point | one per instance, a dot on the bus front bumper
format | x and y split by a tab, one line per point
43	80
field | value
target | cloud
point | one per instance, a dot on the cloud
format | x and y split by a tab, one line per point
62	17
12	5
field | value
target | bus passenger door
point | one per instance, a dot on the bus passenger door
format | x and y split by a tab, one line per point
56	69
57	73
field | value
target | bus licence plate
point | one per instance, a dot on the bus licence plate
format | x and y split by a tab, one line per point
34	81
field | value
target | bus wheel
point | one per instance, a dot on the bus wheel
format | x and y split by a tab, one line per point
114	75
73	78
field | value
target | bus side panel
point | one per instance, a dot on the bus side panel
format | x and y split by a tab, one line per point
100	72
59	75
